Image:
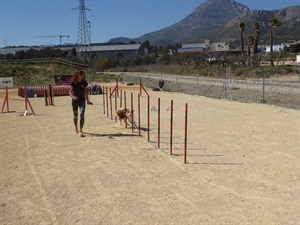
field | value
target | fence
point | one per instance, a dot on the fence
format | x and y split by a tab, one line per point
278	90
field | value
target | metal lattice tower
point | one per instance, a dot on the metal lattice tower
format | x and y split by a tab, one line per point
83	34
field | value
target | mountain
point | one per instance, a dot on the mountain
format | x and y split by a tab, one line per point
288	30
218	20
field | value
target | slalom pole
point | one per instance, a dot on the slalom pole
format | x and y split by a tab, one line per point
185	132
107	113
103	97
148	125
125	106
139	113
158	127
132	117
121	98
171	129
51	94
110	101
46	97
141	87
116	103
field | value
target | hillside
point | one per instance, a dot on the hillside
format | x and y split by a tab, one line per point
218	20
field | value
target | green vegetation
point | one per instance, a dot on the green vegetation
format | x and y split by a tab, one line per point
35	67
41	73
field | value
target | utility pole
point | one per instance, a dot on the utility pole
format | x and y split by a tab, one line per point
90	42
83	34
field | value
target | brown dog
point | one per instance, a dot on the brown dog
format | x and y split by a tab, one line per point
125	115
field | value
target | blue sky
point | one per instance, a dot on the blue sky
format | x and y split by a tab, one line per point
21	21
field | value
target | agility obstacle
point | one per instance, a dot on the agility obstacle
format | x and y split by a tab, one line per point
142	88
116	88
125	105
158	123
39	91
5	102
49	96
27	103
121	95
132	117
103	100
185	132
139	113
171	129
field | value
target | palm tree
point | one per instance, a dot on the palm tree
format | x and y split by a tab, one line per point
273	23
250	42
242	29
256	37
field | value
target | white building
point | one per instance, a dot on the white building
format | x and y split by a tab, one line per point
107	49
206	45
14	50
276	48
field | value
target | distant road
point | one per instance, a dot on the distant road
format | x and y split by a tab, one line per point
285	87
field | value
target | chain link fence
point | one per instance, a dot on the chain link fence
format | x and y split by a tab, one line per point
283	91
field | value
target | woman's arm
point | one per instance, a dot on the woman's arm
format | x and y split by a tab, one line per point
71	93
86	96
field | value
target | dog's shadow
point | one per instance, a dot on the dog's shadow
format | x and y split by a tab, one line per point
137	129
144	129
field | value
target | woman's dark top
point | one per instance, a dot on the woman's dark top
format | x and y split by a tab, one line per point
79	90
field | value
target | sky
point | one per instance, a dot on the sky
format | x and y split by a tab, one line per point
35	22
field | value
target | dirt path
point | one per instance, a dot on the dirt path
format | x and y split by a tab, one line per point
243	165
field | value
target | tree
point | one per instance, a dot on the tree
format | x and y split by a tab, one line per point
250	42
256	38
20	54
101	63
273	23
242	29
132	42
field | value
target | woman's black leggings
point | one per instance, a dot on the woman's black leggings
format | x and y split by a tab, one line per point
81	106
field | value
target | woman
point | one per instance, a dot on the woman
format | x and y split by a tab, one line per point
79	93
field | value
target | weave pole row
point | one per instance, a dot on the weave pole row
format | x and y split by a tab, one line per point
121	95
108	104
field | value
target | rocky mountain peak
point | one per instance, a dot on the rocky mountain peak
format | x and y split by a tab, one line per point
219	20
217	10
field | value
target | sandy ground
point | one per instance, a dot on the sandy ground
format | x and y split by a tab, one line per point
243	164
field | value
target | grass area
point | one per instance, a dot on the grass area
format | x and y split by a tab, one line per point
28	74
